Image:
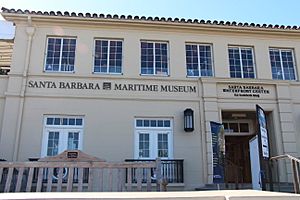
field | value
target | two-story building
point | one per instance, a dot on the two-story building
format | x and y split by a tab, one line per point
116	87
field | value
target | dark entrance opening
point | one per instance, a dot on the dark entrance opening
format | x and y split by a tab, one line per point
239	128
237	161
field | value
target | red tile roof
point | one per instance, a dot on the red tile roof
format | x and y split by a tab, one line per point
149	19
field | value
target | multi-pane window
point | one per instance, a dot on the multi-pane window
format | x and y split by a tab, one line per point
153	123
144	147
52	147
241	62
108	56
153	138
162	145
198	60
282	64
62	133
60	54
238	127
73	140
235	127
68	121
154	58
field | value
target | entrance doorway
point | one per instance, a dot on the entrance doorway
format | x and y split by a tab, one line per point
239	128
237	159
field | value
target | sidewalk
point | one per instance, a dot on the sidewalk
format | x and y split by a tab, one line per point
199	195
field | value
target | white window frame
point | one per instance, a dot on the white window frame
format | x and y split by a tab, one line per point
154	65
281	63
240	121
198	52
60	56
63	133
241	63
153	138
108	52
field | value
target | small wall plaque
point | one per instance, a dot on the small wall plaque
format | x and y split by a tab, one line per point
72	154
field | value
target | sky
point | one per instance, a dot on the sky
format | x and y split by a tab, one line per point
282	12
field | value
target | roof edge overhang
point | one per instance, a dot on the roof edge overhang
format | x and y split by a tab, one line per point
143	22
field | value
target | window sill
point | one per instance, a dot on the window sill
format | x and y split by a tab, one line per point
155	75
103	73
60	72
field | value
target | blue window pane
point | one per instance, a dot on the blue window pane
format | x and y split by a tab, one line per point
65	121
118	69
103	69
96	69
146	123
112	43
160	123
50	40
71	121
78	122
167	123
153	123
50	121
104	43
56	121
139	123
119	63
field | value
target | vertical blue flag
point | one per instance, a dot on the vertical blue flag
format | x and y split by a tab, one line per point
218	147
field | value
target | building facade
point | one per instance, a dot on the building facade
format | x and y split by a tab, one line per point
116	87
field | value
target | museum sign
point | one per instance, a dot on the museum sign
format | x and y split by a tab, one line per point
108	85
239	90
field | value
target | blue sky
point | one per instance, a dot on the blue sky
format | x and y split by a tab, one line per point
282	12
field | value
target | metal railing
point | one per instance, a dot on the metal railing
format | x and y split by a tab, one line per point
295	166
172	170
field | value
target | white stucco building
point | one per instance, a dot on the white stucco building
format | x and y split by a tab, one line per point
116	87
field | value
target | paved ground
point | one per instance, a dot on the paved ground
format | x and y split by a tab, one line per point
195	195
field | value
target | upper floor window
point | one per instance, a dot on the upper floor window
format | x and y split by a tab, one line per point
198	60
241	62
108	56
154	58
60	54
282	64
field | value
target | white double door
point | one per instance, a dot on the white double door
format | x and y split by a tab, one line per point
58	140
151	144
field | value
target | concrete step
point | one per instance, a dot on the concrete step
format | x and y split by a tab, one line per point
277	187
283	187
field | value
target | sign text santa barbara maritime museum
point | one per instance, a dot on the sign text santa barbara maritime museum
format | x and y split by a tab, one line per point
77	85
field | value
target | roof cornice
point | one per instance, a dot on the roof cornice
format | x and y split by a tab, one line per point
122	20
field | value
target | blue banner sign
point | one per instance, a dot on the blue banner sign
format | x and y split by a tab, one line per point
218	147
263	132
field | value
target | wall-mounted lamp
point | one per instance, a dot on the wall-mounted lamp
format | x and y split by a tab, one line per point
188	120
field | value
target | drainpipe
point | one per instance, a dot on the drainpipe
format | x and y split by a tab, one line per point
30	31
203	131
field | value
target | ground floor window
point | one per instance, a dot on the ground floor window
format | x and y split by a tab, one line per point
153	138
61	133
